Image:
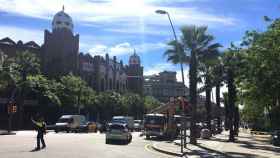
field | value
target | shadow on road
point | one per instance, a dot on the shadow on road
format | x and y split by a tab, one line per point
115	142
230	154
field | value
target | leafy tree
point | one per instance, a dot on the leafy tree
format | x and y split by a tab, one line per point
72	90
134	105
150	103
43	88
260	82
109	104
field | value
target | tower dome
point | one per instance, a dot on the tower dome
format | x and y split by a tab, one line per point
134	59
62	20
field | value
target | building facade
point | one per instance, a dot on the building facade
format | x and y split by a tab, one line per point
164	86
103	74
59	55
134	73
61	47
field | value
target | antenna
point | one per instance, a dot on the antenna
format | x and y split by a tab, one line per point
63	8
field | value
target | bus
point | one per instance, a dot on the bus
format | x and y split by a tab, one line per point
159	125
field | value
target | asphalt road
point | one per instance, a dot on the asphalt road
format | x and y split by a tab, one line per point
72	145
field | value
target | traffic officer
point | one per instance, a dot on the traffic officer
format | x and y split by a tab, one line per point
41	130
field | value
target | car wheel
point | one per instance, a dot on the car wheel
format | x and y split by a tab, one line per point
147	137
56	131
130	139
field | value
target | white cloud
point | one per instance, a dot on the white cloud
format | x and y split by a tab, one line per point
122	11
159	67
125	48
23	34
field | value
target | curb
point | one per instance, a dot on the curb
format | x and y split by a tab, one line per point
155	147
7	133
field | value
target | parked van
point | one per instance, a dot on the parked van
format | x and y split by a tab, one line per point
128	120
70	123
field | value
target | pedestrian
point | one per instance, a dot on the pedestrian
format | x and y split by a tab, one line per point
41	130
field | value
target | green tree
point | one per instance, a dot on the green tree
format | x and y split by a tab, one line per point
72	91
21	66
109	104
134	105
199	44
176	55
234	63
150	103
260	83
43	88
218	75
206	68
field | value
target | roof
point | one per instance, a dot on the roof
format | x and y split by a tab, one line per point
154	115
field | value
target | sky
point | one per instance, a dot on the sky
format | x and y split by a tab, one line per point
118	27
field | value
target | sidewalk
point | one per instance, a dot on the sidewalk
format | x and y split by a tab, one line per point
246	146
5	132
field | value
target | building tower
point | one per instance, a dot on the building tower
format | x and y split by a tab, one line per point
134	73
61	47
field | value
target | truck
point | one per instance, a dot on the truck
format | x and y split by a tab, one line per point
128	120
70	123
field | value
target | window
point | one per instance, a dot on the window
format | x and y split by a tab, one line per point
58	22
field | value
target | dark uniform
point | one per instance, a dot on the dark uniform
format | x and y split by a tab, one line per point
41	130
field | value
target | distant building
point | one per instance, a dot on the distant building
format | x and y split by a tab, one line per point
134	73
164	86
9	47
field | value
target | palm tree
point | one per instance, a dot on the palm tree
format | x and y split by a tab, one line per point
218	74
198	43
232	62
176	55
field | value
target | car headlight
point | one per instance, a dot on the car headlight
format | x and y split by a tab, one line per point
275	136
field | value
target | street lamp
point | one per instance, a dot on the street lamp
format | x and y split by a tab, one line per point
162	12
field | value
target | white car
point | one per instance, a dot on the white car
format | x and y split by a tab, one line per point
118	131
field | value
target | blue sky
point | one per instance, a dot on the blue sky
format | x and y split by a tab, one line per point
119	26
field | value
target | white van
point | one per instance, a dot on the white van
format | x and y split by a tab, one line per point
128	120
69	123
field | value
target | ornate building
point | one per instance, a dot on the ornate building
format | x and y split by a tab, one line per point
134	73
60	55
61	47
103	74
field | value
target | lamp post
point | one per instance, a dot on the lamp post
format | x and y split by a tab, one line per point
182	72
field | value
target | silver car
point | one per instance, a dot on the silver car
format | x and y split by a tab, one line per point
118	131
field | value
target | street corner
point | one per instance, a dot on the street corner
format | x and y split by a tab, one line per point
167	148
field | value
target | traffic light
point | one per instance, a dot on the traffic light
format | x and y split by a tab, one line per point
14	108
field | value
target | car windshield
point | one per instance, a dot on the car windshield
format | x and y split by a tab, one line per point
119	121
137	121
116	127
154	120
65	120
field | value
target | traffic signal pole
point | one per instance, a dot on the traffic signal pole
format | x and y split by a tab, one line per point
12	108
